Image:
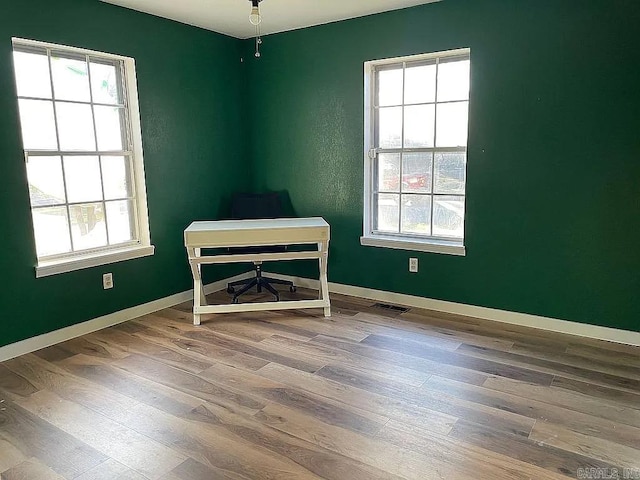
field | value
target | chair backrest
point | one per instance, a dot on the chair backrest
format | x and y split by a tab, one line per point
256	205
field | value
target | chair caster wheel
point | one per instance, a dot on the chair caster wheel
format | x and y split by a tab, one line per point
235	300
230	290
292	289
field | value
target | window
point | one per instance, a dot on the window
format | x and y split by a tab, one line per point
83	152
416	116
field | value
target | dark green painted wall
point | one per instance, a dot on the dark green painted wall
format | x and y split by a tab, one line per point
553	217
189	83
554	152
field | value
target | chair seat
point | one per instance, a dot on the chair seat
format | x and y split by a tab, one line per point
265	249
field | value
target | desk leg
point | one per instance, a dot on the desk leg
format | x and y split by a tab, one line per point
324	283
199	298
203	298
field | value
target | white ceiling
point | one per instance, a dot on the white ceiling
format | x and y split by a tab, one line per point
231	17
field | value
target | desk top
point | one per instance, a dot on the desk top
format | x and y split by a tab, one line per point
274	231
259	224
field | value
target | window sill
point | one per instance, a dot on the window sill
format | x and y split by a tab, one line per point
45	269
432	246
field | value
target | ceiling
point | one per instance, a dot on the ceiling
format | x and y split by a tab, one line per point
231	17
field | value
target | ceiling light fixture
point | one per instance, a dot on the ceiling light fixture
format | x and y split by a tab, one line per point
256	19
254	16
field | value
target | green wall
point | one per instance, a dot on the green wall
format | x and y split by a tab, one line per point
553	217
553	223
189	81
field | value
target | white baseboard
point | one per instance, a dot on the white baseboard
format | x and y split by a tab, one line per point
522	319
57	336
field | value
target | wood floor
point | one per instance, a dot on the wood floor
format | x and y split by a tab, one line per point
371	393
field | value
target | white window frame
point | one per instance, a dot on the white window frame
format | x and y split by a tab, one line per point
376	239
141	246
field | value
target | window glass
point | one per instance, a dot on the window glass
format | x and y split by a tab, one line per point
51	229
419	125
416	214
449	173
77	137
120	220
88	228
70	78
116	177
452	121
416	172
420	84
419	150
83	180
105	82
46	183
453	80
32	74
75	126
390	87
38	125
109	128
390	127
448	216
388	218
389	172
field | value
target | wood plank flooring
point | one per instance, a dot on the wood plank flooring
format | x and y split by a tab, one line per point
367	394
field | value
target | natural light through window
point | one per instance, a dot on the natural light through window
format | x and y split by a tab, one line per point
83	155
416	123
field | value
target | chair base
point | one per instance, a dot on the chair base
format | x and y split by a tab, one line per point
259	282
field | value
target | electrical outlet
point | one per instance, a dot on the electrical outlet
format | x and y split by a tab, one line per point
107	281
413	265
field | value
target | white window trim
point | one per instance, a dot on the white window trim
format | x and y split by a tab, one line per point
414	244
141	248
369	238
78	262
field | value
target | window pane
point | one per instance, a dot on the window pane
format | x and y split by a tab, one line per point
120	221
448	216
87	226
109	128
416	214
390	127
416	172
51	230
32	74
75	126
419	126
116	177
38	125
452	124
420	84
450	173
46	186
104	83
70	78
390	87
388	207
389	172
83	179
453	80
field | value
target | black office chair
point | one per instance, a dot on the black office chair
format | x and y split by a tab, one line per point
257	206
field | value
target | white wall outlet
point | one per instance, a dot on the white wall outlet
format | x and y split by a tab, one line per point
413	265
107	281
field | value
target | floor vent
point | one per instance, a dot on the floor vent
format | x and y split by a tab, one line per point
393	308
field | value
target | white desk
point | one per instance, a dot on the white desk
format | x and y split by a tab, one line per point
257	233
